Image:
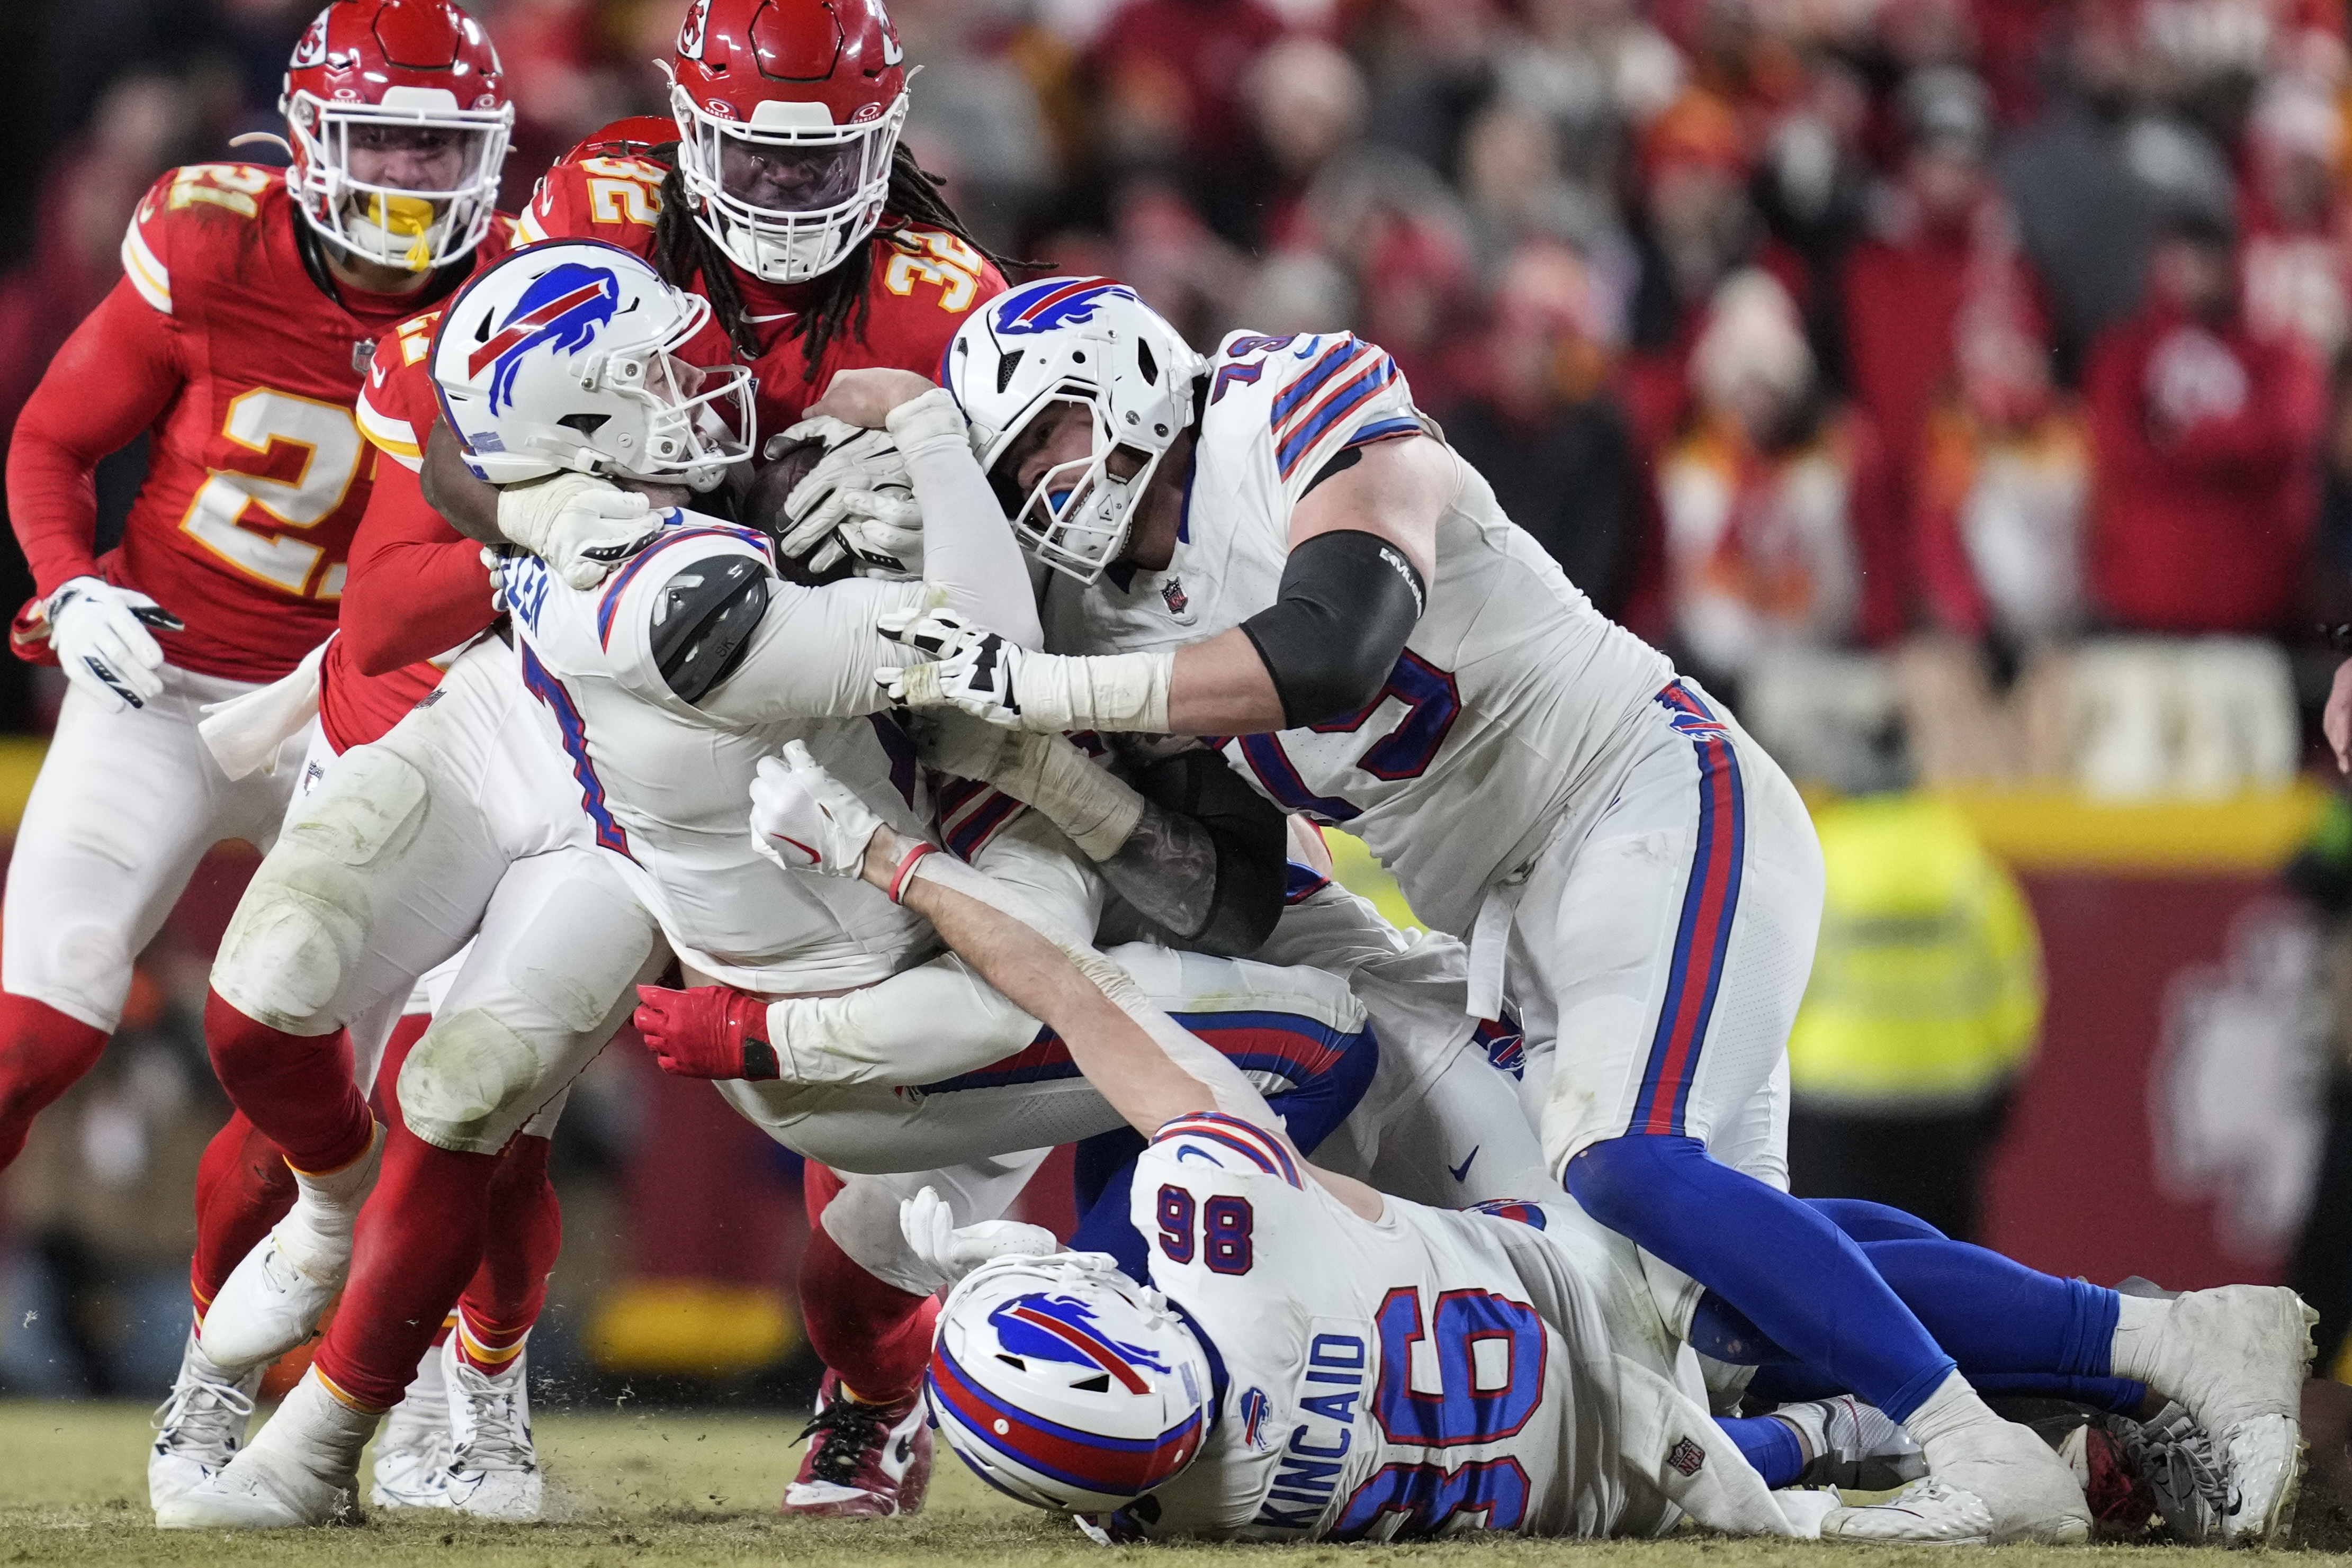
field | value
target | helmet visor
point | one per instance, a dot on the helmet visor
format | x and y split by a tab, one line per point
777	177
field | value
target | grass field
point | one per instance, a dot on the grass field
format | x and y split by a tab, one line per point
684	1487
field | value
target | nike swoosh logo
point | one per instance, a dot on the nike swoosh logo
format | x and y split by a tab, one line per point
1462	1171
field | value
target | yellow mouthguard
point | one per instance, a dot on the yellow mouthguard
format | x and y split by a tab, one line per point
405	215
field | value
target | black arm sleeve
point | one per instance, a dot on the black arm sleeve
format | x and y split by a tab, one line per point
704	620
1196	795
1348	601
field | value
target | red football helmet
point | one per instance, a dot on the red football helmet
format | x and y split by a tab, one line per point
400	120
788	113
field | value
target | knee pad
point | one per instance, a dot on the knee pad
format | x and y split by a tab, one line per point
304	918
471	1082
84	972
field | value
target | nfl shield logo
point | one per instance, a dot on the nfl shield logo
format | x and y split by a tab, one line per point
1171	593
1686	1456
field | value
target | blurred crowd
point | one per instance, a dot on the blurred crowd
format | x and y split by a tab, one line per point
1957	385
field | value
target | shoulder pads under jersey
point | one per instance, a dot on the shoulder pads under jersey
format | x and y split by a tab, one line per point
703	621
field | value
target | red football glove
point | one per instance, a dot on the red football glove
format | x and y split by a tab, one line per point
711	1032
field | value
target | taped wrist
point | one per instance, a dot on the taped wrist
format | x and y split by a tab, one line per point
1095	808
923	423
1347	603
1114	693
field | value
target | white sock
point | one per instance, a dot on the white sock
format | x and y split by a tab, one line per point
1952	1409
1810	1421
2139	1324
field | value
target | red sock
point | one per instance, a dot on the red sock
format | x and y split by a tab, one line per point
877	1337
419	1241
296	1088
519	1246
242	1188
43	1053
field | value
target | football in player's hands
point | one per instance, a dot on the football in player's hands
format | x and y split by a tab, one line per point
804	818
929	1225
709	1032
853	502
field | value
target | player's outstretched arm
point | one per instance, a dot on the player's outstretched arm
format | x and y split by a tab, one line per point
1363	551
1150	1070
469	505
1187	844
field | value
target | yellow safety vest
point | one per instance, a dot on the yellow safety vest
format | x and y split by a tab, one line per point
1927	989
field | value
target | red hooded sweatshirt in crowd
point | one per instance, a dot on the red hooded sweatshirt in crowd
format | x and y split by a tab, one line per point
2202	439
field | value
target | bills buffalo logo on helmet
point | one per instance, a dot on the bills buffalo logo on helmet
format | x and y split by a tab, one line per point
563	308
1057	302
1063	1329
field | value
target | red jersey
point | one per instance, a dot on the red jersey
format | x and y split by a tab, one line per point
418	589
243	370
922	284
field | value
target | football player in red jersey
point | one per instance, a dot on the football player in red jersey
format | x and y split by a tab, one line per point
238	340
780	192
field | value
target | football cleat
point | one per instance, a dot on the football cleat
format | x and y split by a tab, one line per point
267	1307
302	1469
2171	1466
1930	1512
412	1452
201	1426
864	1461
1994	1482
493	1468
2235	1358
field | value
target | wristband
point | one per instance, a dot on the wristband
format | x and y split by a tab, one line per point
905	868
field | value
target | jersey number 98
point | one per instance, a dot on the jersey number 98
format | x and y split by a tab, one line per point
1223	1240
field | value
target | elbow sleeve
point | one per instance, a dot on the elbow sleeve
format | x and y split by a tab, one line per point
1348	601
1253	841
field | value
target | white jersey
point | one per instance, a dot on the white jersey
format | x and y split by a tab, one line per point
666	783
1511	697
1430	1371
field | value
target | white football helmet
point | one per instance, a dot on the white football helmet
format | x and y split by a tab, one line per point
1089	341
1065	1384
565	355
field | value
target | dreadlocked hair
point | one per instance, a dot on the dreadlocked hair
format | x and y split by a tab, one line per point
683	249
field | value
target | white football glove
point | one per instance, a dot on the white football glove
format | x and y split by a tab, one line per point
953	1251
102	642
804	818
581	526
991	678
857	502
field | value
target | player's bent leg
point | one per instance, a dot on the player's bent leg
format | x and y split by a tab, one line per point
125	805
242	1188
493	1470
1667	954
867	1303
43	1053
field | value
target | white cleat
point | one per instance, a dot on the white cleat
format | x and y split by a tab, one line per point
2236	1357
273	1299
267	1306
494	1472
303	1469
1930	1512
412	1450
201	1426
1994	1482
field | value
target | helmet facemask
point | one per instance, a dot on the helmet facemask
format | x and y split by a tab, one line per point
699	420
1076	517
412	227
790	194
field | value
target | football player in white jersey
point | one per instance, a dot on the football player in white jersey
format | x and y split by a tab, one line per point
1252	1373
1273	548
